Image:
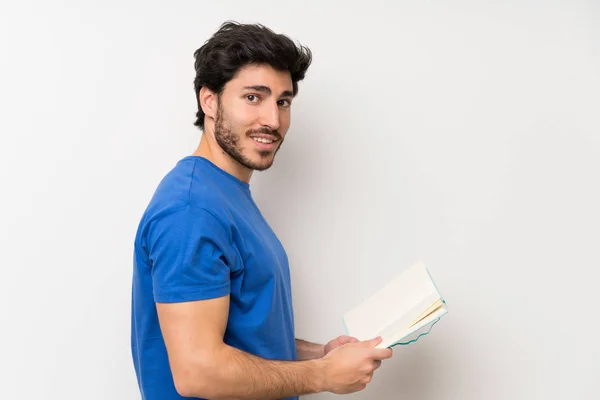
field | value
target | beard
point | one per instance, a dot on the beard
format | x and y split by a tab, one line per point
229	140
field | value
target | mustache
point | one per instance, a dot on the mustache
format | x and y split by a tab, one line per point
265	131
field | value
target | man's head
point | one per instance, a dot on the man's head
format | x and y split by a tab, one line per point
246	79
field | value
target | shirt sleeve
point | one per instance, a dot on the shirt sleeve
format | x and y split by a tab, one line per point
191	256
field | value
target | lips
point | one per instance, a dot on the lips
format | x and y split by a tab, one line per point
265	144
265	140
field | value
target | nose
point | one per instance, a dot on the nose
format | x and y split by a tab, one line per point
270	116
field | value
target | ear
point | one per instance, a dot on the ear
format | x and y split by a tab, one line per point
208	102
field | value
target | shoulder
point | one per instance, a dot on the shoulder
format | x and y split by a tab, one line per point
188	185
185	200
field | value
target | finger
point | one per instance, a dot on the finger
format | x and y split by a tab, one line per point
343	339
381	354
347	339
352	339
376	364
372	342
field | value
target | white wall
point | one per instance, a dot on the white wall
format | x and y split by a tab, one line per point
466	135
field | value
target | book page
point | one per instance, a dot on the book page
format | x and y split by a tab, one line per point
415	331
435	307
398	304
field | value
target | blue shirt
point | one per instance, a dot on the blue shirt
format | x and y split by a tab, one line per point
202	236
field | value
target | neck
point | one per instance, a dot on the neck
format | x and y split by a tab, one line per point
210	149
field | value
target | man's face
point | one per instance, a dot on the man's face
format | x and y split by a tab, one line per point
254	115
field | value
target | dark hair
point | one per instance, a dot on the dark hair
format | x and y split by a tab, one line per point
235	45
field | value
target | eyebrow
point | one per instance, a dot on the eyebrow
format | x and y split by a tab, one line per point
267	90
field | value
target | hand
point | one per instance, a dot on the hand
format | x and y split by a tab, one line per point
350	367
338	342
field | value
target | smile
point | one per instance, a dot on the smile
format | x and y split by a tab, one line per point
263	140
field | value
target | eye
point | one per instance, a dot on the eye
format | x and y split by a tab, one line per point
284	103
252	98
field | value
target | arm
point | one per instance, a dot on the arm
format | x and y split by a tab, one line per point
309	351
204	366
192	263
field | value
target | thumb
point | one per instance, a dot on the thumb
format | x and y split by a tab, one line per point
347	339
372	342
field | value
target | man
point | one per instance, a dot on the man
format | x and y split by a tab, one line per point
212	307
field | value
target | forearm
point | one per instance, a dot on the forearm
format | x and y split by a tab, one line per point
234	374
309	351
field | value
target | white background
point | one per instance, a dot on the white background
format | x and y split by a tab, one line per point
465	134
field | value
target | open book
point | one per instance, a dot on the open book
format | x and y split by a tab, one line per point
401	312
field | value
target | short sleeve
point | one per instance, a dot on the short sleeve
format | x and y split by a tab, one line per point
189	254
